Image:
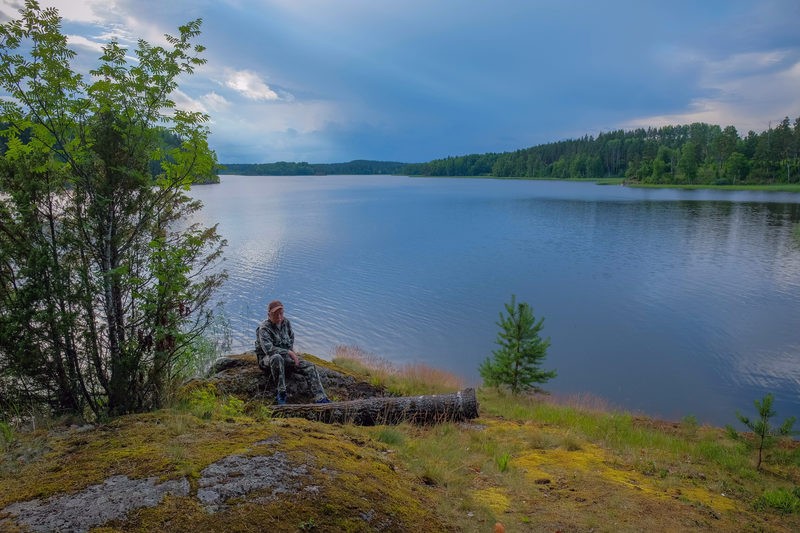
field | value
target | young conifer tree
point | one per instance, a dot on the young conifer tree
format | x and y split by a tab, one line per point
517	363
765	433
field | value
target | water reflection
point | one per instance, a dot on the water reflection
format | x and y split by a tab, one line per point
669	302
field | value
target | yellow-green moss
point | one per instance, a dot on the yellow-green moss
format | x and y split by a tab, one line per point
166	444
495	498
355	482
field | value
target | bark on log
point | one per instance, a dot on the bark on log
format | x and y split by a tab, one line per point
430	409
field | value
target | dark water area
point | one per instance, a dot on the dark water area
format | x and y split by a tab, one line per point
666	302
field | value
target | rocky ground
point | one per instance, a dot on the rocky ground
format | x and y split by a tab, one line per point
220	461
264	471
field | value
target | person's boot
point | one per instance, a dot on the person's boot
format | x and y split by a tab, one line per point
281	398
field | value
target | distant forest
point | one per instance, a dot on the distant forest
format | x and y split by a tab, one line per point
692	154
282	168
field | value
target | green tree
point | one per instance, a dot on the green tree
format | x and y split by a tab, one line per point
736	167
687	163
765	433
104	282
517	363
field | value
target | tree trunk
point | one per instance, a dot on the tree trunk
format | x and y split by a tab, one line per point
431	409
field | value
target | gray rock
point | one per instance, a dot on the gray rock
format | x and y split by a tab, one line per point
237	475
95	505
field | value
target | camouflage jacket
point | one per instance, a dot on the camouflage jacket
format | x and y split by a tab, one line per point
272	339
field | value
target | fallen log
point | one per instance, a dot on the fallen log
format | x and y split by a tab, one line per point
428	409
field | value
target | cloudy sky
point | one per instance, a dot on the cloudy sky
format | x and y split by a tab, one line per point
328	81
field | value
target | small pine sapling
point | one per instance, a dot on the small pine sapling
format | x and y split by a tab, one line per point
765	434
517	363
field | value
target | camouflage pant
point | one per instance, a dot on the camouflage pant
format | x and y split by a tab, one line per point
279	364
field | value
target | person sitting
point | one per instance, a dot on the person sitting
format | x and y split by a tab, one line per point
275	350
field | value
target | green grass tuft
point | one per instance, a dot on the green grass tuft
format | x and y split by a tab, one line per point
782	500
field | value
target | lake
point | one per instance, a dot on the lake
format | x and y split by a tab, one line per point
665	302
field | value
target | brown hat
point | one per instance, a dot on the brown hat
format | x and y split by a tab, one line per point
273	305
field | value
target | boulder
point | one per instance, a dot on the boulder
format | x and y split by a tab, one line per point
239	375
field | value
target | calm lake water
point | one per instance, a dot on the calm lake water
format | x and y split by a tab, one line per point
666	302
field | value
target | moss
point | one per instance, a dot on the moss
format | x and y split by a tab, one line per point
165	444
495	498
353	484
560	475
593	459
353	487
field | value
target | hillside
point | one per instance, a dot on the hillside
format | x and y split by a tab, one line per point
221	463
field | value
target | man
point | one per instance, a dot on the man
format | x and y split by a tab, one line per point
275	350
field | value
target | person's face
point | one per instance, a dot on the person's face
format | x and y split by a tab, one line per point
276	316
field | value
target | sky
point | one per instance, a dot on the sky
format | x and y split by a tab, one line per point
327	81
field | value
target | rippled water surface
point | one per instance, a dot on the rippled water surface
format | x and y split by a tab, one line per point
668	302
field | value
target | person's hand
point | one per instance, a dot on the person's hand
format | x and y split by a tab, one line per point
294	358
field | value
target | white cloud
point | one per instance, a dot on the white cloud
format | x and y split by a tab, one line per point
250	85
215	102
77	10
82	42
748	91
186	103
302	117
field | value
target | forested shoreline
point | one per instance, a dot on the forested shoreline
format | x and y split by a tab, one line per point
694	154
284	168
691	154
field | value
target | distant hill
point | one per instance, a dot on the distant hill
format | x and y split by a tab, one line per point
283	168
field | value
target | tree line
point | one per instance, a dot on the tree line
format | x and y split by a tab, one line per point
697	153
283	168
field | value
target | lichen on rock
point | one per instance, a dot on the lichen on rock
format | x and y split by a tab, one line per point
97	504
237	475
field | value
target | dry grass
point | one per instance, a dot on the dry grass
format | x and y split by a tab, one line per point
409	379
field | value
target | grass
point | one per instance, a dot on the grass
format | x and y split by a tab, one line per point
782	500
6	436
576	464
531	463
410	379
775	187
